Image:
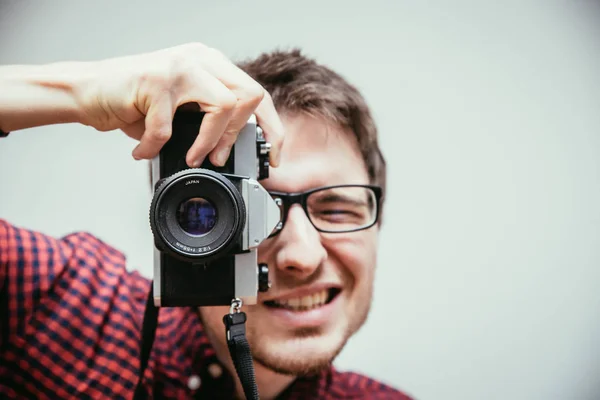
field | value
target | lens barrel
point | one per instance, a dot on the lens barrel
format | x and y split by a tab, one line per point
196	214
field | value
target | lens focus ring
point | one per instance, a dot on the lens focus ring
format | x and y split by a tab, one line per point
196	213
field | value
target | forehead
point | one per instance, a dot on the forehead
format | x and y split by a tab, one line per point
316	153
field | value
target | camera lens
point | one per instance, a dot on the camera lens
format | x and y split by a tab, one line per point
196	216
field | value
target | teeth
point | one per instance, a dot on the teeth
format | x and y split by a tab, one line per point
306	302
293	302
316	298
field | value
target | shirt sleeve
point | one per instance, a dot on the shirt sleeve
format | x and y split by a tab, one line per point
70	315
29	265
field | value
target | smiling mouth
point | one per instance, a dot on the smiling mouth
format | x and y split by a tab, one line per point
305	303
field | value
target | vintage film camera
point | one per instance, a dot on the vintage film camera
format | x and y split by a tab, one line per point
207	222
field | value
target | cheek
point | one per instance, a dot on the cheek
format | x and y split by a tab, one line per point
356	254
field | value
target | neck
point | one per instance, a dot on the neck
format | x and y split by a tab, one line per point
270	384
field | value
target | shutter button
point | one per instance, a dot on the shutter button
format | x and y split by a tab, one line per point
194	382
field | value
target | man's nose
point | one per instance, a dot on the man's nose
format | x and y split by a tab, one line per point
299	251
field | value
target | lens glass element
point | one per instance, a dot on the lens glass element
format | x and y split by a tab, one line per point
196	216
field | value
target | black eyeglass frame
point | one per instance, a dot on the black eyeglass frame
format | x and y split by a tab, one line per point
289	199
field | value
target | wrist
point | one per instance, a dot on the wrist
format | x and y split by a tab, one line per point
68	81
41	94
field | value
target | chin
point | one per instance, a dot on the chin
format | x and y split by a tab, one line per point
304	352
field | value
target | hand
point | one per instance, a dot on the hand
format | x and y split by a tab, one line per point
139	95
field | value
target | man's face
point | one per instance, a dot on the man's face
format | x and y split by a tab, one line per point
335	267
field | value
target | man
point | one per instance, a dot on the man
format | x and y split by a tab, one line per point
71	314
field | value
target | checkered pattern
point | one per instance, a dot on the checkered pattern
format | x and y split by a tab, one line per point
70	327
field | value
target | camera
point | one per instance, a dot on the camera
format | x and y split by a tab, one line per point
207	222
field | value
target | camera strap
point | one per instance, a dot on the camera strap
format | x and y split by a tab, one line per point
235	330
149	325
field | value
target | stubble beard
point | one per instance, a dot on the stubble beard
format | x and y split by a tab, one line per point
293	362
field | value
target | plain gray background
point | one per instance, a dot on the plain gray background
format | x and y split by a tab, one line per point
489	112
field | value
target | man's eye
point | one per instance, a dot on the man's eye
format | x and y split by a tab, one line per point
337	213
331	212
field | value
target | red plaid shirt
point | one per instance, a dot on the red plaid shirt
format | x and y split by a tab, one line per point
70	327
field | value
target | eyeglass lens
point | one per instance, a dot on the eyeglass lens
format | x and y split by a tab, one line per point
340	208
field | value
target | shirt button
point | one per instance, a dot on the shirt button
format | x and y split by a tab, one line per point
194	382
215	370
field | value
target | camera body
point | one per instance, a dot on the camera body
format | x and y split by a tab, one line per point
207	222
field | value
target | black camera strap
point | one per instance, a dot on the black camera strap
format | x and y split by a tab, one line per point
235	331
235	324
148	332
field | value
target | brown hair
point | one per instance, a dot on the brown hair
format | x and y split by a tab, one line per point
299	84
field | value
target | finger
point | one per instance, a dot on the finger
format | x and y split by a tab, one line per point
220	154
271	124
158	124
247	103
239	82
135	130
266	114
249	95
218	102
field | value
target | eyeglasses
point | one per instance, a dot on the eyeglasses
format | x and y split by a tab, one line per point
333	209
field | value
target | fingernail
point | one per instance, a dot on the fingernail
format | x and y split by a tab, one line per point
195	161
134	153
221	157
274	161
